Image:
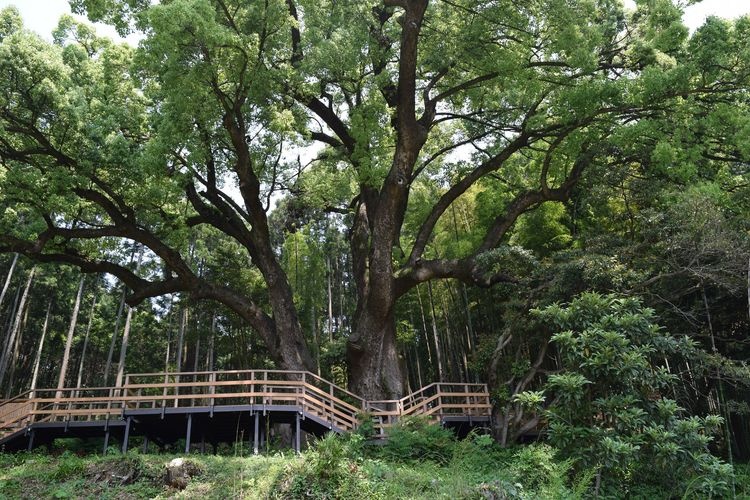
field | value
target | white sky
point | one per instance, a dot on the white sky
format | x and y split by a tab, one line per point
42	15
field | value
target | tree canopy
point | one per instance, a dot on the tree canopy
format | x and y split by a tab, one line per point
235	122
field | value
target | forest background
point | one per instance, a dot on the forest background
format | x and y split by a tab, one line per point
387	217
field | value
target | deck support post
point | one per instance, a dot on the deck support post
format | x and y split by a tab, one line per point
126	437
255	433
189	431
296	433
264	432
145	444
106	441
31	440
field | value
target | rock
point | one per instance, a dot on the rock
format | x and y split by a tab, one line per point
179	472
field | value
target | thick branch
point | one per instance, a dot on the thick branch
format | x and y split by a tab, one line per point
466	269
425	231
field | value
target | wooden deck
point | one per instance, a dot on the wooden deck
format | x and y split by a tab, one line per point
223	406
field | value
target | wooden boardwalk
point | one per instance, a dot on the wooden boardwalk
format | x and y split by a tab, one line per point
224	407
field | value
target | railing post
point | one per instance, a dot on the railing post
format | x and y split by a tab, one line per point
330	401
176	391
265	388
34	406
212	388
252	387
304	392
164	390
109	401
440	401
469	410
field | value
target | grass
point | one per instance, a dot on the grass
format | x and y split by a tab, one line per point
333	468
36	475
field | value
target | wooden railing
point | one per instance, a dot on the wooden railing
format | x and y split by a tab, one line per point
15	413
338	407
304	390
435	401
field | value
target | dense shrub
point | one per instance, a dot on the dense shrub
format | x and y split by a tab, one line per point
607	407
416	438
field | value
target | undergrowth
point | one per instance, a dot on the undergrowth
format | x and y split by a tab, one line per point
418	461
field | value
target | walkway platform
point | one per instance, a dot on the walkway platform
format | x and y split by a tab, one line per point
224	407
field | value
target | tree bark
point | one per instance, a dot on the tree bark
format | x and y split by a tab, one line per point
15	327
113	342
211	344
79	378
9	324
13	365
126	332
329	268
375	367
178	351
124	348
69	341
436	336
7	280
38	358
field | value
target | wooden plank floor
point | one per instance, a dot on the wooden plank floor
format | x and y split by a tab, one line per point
222	405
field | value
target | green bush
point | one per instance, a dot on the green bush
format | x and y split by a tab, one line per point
69	466
330	469
416	438
608	411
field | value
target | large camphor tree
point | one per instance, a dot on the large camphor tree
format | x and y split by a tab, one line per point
351	107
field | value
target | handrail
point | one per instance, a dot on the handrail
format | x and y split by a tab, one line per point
238	372
14	398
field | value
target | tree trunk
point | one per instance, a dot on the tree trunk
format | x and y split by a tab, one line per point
69	341
425	335
329	268
181	338
211	343
8	326
376	370
38	359
178	351
124	348
13	365
15	327
126	332
85	342
316	336
8	278
196	355
120	309
436	335
113	342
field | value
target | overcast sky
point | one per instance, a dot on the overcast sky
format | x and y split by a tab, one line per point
42	15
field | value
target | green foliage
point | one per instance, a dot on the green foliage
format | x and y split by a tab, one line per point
609	408
543	230
416	439
335	467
